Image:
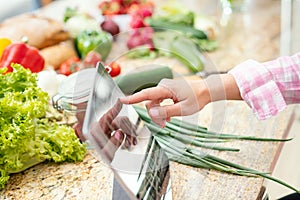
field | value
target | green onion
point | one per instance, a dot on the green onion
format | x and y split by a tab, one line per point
181	141
203	132
189	157
187	140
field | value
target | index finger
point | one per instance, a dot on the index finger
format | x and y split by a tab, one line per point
154	93
106	120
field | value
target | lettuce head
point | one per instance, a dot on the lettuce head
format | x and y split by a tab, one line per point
27	137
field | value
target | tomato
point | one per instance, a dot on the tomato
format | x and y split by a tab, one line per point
70	66
115	69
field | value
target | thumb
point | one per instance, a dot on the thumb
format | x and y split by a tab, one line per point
165	112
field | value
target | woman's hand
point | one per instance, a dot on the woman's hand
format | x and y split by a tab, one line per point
110	132
188	96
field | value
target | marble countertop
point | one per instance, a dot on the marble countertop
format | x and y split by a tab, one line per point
253	34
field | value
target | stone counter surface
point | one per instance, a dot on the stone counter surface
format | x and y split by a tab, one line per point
253	34
89	179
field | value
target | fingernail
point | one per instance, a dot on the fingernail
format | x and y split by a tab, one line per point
163	124
123	99
154	112
118	135
127	143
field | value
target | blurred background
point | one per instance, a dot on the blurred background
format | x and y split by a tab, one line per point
289	44
290	24
15	7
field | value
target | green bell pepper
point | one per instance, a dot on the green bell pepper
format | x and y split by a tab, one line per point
92	40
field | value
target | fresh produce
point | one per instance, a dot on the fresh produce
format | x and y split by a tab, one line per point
142	52
139	14
71	12
142	10
135	81
48	81
137	22
70	66
23	54
181	47
91	59
91	40
118	7
111	8
4	42
165	22
175	13
181	141
74	63
186	51
166	25
27	136
76	22
140	37
115	69
110	26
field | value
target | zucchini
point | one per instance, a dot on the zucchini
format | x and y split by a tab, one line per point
185	29
136	81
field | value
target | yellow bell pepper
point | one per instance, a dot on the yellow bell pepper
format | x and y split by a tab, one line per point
4	42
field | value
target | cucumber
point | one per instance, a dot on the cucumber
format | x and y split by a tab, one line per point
185	29
181	47
188	53
136	81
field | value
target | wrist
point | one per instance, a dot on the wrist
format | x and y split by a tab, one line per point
201	92
222	87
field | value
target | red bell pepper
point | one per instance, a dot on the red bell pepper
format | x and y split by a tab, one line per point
23	54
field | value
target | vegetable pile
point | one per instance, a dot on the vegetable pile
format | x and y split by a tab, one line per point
119	7
181	141
92	40
27	136
169	30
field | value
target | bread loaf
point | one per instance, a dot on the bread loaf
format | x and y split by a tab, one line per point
40	31
57	54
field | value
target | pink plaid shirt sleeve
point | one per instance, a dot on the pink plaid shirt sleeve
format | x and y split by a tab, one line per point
269	87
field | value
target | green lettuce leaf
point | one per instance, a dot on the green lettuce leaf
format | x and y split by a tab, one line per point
175	13
27	137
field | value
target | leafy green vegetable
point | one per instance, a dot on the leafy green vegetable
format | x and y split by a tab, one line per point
77	21
69	13
206	45
27	137
175	14
141	52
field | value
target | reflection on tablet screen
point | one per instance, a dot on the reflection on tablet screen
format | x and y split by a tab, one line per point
117	135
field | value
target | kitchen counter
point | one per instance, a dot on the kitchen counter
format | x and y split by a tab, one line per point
253	34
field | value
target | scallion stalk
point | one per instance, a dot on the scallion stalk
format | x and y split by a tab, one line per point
205	133
181	141
187	140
